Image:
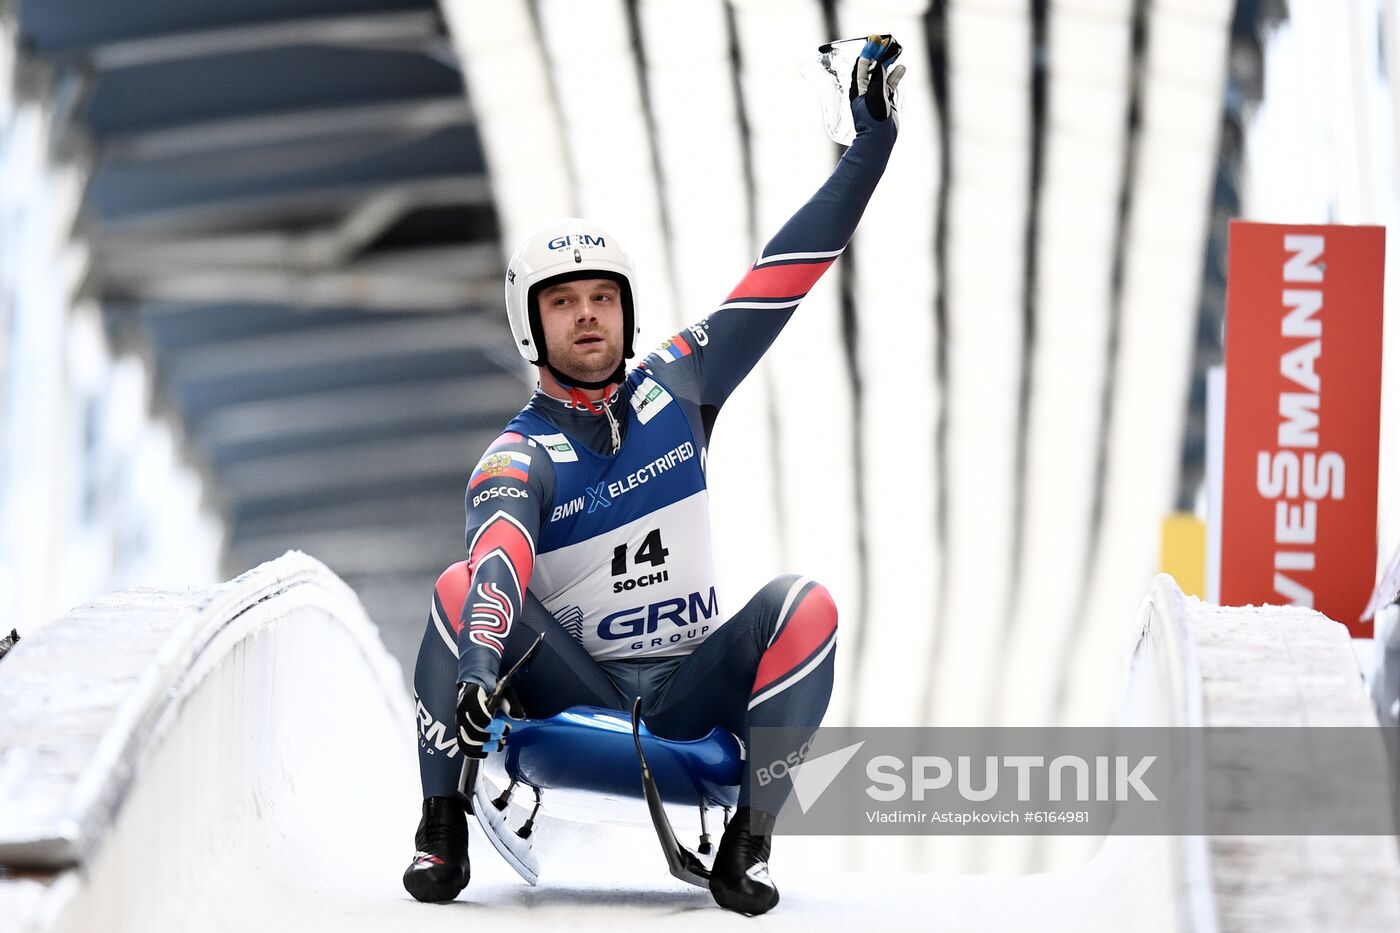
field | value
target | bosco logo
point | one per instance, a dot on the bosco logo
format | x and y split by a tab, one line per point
509	492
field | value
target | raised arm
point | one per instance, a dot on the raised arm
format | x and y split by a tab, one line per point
710	358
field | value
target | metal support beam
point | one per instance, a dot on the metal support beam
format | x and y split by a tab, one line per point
362	408
358	344
315	250
403	550
390	507
306	270
299	126
339	289
356	466
309	206
370	30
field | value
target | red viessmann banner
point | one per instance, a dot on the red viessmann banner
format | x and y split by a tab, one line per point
1302	417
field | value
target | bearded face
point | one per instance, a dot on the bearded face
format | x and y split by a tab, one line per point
582	323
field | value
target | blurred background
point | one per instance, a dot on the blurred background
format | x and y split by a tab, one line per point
251	258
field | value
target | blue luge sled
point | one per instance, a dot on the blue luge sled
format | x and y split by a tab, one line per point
602	751
589	748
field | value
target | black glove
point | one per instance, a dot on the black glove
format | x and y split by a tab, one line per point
474	720
874	79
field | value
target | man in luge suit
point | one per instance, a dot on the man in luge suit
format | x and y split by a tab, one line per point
587	520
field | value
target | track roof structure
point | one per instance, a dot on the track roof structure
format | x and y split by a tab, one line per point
289	215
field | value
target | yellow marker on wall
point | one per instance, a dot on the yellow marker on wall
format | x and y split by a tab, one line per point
1184	552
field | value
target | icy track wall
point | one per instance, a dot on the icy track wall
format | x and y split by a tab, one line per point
154	736
240	757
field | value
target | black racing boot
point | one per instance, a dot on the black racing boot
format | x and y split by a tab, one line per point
739	879
440	868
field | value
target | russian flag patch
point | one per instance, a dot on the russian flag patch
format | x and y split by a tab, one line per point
675	348
507	464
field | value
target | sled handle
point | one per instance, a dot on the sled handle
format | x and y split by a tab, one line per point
472	766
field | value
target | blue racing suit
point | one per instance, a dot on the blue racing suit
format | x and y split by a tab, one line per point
609	553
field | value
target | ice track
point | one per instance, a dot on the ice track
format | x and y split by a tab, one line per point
240	757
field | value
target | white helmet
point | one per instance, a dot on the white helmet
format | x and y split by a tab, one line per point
564	250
